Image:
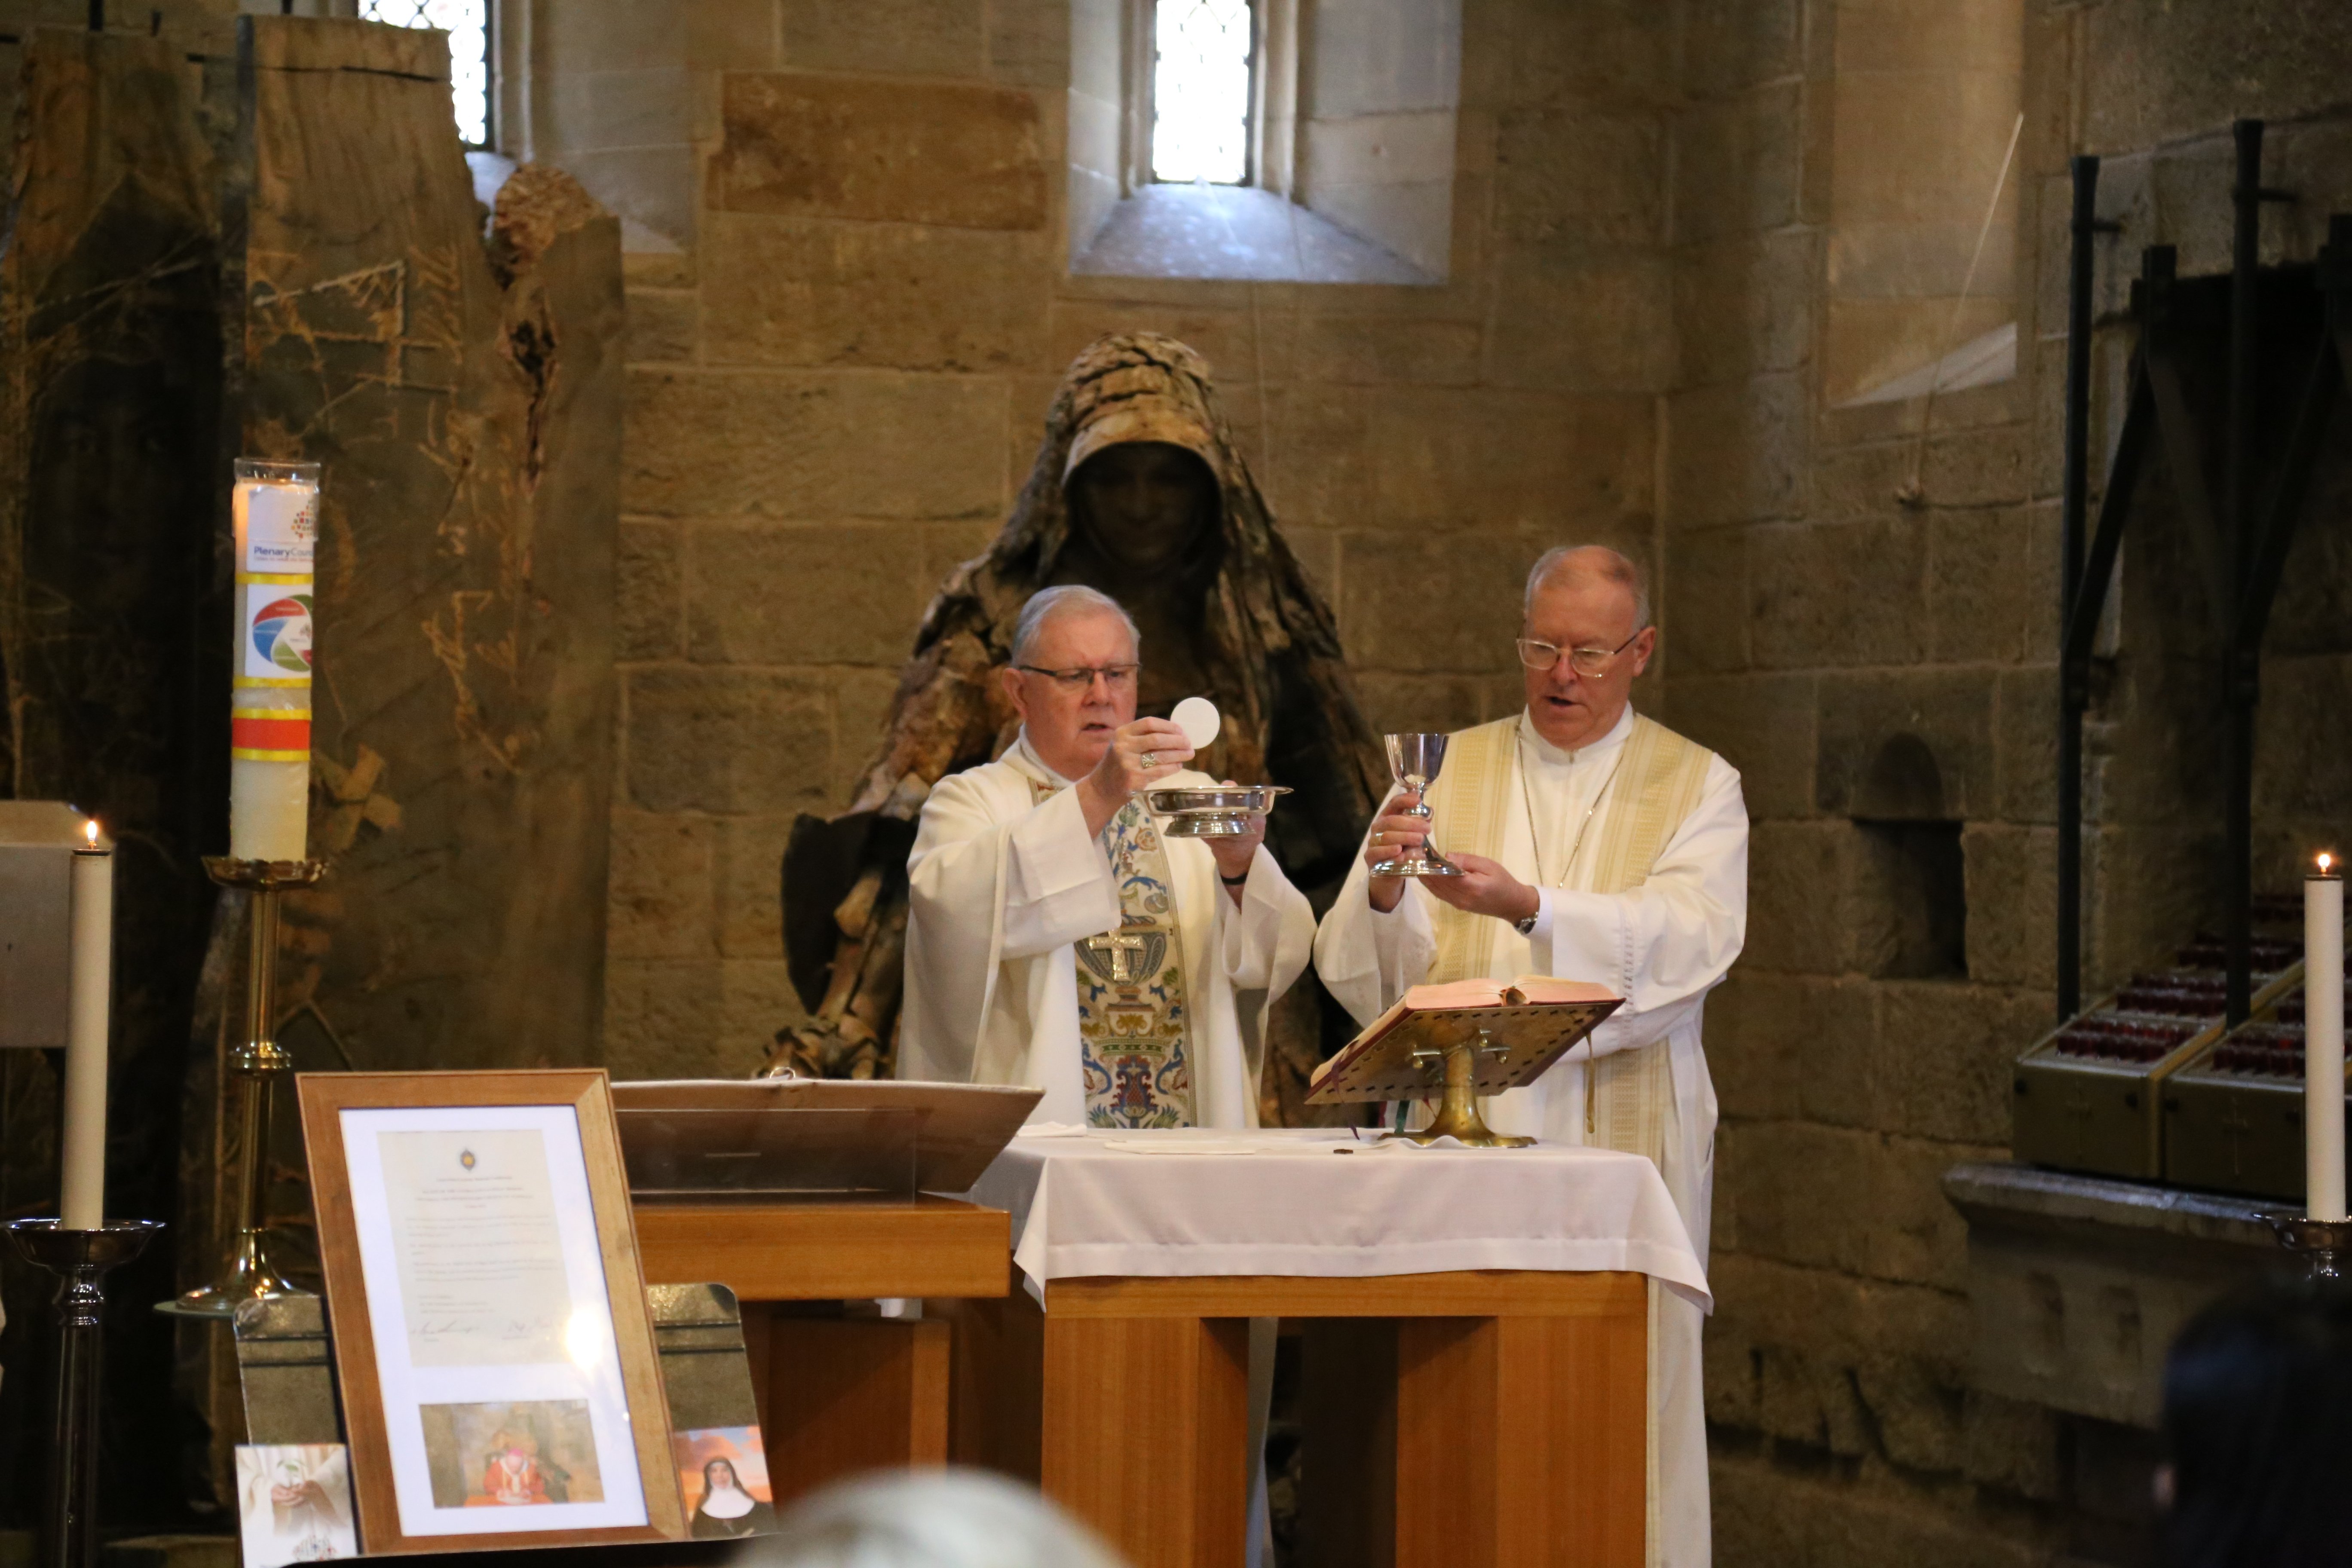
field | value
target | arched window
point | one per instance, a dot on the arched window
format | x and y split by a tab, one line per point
1200	90
468	23
1295	140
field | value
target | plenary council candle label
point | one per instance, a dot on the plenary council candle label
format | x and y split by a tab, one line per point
281	529
276	642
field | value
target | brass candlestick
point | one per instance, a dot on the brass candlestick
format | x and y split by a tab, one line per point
245	1272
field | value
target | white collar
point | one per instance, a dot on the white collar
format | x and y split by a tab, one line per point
1560	757
1025	755
734	1502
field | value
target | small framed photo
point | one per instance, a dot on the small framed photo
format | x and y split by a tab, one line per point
294	1504
497	1356
722	1474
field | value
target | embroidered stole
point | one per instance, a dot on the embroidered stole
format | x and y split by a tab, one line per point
1133	1014
1657	785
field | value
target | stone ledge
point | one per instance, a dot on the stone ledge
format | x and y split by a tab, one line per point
2028	1196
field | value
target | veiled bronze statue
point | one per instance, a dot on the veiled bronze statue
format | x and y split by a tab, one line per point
1139	492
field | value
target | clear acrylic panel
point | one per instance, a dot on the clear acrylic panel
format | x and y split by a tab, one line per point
779	1151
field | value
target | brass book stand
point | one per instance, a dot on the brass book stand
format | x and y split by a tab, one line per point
1455	1055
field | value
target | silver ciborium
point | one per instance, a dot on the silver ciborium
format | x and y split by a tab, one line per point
1224	811
1414	760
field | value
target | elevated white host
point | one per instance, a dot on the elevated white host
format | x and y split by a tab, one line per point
1197	717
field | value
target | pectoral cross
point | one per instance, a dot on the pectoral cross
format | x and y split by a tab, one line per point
1118	947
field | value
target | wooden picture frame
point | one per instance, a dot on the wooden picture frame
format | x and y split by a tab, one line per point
481	1313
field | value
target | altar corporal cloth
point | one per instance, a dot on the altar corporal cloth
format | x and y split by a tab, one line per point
1643	842
1006	884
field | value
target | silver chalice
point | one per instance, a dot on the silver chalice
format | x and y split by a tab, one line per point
1414	759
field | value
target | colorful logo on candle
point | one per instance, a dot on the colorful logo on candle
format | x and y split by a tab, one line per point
281	632
281	526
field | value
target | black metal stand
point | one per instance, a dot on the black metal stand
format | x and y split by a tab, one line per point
2075	673
80	1260
2328	1243
2240	529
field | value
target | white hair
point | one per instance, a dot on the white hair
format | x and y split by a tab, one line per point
1046	602
1615	565
928	1519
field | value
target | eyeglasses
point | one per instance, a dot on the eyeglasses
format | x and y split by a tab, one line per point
1586	661
1117	677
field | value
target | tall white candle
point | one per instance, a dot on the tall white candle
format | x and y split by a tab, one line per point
2323	1041
275	514
81	1203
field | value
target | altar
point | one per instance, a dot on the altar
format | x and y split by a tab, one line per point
1476	1328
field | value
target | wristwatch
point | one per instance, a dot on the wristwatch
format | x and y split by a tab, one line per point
1527	927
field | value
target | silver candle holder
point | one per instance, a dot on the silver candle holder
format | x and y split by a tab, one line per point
2324	1245
82	1260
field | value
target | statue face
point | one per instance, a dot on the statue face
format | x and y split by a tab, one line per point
1145	505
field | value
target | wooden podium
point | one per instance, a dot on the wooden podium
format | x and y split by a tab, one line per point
836	1395
1488	1419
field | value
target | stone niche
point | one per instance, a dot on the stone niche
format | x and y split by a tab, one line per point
1912	902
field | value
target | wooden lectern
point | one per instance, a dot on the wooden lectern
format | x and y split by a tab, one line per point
838	1393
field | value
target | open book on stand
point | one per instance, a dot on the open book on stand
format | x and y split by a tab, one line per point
1515	1030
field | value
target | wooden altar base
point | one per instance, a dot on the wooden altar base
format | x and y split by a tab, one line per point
1461	1420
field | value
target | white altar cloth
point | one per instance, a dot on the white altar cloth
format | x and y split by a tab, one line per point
1317	1201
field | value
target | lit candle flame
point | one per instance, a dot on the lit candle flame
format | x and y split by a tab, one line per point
2326	860
89	832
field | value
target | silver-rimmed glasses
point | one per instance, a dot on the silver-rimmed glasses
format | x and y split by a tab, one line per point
1587	662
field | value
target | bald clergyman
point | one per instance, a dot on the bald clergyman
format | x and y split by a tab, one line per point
1596	845
1056	937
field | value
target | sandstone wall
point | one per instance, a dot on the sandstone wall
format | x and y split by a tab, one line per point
1679	234
1812	615
839	376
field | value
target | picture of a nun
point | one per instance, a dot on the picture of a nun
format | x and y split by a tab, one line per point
726	1509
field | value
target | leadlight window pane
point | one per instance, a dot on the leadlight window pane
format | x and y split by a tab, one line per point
1201	92
468	23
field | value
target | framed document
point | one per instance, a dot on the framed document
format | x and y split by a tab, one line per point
491	1335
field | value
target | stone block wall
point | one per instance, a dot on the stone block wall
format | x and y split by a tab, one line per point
1376	135
840	373
1837	578
1660	216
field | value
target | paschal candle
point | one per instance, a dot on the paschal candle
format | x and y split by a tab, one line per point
275	514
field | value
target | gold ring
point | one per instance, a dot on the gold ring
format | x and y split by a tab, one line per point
1151	759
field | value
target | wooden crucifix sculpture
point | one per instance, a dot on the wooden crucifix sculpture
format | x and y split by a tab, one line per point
1139	491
